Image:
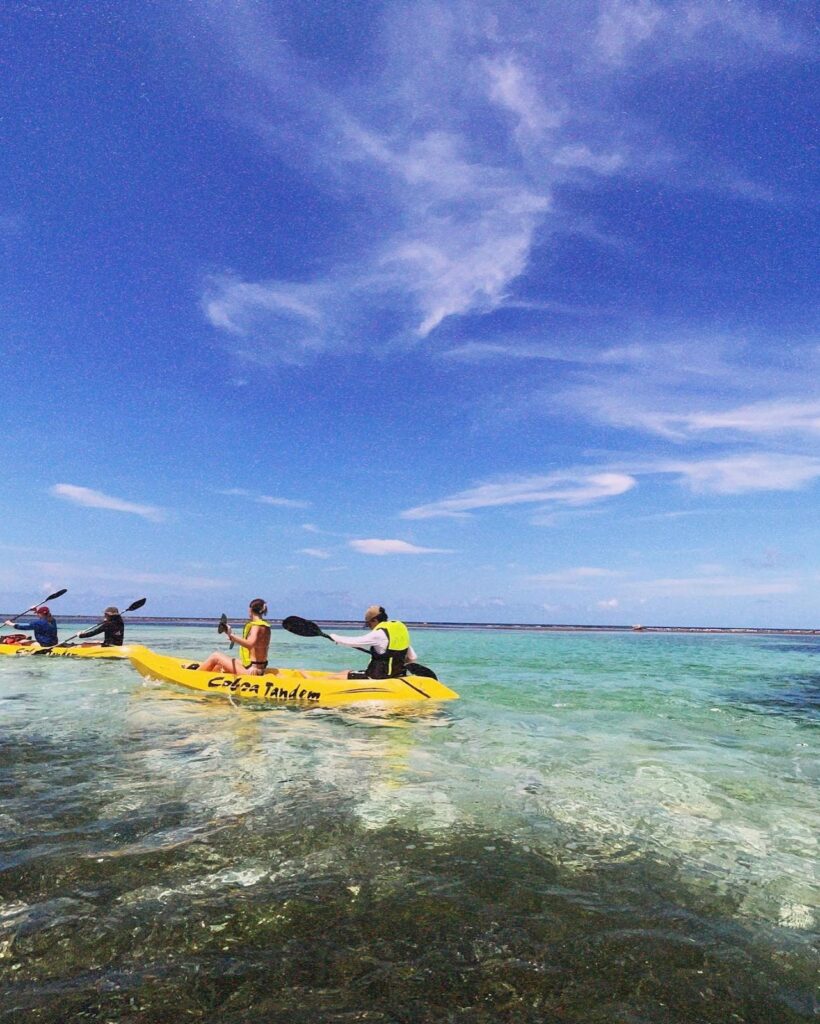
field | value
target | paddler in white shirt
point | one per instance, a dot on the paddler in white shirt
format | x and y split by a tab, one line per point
388	642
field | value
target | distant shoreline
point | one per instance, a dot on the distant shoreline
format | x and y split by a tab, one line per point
524	627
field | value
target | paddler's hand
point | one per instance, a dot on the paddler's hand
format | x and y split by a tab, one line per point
8	622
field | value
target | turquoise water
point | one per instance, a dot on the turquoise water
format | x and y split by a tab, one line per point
606	827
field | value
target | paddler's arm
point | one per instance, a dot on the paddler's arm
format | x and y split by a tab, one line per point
375	638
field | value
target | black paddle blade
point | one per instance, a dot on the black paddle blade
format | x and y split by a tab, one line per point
414	669
301	627
137	604
222	627
53	597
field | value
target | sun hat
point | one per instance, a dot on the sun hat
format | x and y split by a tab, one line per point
375	611
111	610
43	610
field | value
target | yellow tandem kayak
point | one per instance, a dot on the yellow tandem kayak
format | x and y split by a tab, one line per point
288	686
78	651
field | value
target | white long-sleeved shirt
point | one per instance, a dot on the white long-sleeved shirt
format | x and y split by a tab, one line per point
375	638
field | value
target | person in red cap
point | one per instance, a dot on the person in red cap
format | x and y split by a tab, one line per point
44	626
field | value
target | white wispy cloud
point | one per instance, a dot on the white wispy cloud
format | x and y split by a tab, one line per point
457	143
735	473
315	552
514	88
743	474
373	546
182	581
268	499
89	498
264	499
777	416
713	586
576	578
472	230
289	316
560	488
581	156
711	31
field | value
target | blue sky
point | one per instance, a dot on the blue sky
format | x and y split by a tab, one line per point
482	311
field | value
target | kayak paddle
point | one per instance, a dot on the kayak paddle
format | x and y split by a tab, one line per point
304	627
64	643
223	627
31	608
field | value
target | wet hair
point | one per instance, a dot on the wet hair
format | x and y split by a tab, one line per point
257	605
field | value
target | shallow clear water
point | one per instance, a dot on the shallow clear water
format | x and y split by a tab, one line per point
606	827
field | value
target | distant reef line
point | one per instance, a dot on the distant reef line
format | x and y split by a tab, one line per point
189	620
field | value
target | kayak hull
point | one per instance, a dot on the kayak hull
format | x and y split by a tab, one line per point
92	651
288	686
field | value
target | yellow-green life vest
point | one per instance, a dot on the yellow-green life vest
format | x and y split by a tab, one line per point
391	663
244	653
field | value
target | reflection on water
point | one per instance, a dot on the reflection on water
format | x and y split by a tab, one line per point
604	834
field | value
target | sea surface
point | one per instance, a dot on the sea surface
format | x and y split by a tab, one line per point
604	828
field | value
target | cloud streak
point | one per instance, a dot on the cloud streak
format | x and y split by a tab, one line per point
777	416
713	586
264	499
579	578
729	475
88	498
181	581
558	488
373	546
743	474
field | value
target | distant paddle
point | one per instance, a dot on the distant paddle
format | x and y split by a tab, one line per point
34	607
64	643
223	627
304	627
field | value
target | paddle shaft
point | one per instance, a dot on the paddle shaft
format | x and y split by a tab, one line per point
33	607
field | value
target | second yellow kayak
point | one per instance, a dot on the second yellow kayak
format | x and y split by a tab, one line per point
91	651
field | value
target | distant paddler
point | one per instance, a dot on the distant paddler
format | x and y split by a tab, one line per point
253	645
44	627
112	628
387	642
